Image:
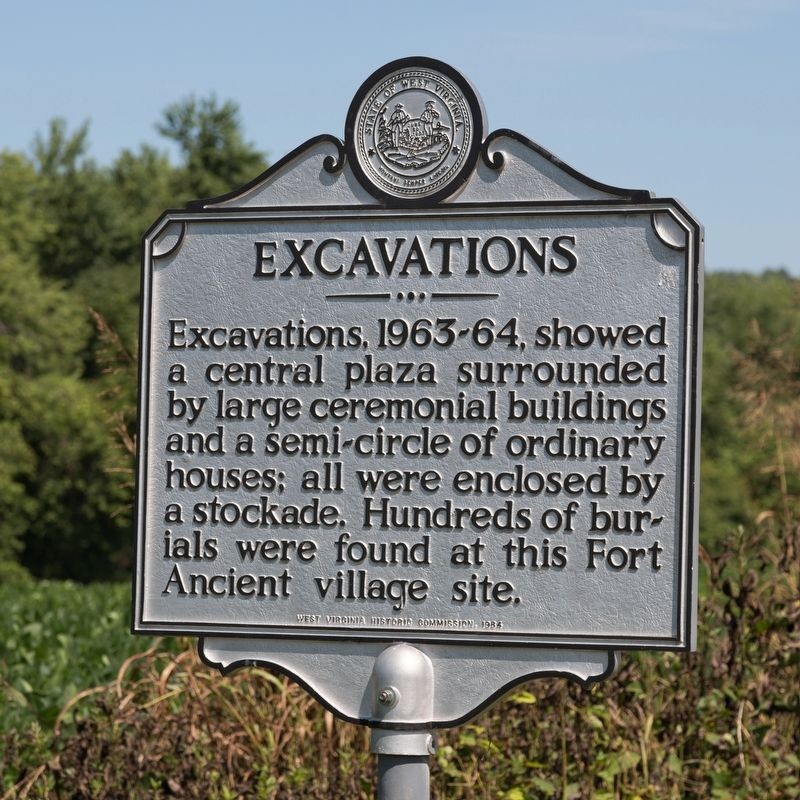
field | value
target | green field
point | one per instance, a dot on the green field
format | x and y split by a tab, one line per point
58	638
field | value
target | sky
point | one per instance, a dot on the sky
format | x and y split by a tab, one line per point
694	100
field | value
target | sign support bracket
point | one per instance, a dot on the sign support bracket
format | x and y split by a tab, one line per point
402	688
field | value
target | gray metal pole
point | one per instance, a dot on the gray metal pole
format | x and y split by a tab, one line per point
403	778
403	764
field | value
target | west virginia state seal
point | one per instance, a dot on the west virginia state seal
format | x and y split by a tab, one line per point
413	132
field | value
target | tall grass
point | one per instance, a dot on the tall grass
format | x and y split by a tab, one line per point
721	723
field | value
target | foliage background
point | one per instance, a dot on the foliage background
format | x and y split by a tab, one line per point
87	711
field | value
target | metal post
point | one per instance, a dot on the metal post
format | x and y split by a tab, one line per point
403	768
403	778
401	686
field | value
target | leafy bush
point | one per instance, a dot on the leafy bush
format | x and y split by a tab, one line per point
57	639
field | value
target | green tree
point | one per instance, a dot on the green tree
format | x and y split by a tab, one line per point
72	195
744	313
55	450
216	157
23	228
17	466
79	530
141	185
70	238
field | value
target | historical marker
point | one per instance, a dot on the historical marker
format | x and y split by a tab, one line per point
425	386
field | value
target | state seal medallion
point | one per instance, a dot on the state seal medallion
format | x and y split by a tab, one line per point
413	132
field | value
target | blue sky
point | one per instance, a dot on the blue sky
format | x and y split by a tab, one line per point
695	100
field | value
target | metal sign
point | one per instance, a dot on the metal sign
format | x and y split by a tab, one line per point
423	386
